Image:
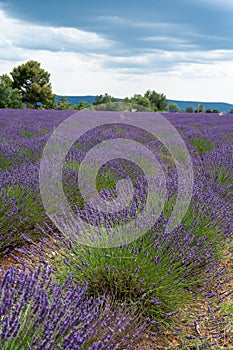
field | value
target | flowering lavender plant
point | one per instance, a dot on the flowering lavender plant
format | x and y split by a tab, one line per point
36	313
159	273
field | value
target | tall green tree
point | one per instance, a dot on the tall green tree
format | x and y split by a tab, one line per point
34	84
158	101
9	97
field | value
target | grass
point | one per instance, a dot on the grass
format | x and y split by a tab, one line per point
202	145
79	146
196	127
72	165
224	177
28	153
43	130
28	134
4	163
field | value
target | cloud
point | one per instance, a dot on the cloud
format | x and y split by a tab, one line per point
203	24
17	33
117	54
158	53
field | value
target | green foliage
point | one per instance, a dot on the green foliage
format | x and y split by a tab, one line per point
43	130
9	96
123	106
130	277
151	100
231	111
27	152
189	109
215	110
101	99
223	176
195	127
158	101
201	108
72	165
173	107
63	103
130	274
4	163
33	83
81	105
28	134
139	100
202	145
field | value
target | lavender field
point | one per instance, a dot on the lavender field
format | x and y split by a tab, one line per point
164	290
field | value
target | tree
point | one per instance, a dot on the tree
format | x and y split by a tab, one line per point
9	97
101	99
158	101
189	110
140	100
81	105
201	108
231	111
173	107
63	103
34	84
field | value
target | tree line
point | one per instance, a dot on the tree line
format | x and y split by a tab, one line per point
28	86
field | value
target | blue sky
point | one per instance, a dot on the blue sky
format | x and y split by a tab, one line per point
181	48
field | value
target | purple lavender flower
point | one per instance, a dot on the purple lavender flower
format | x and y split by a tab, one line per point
48	316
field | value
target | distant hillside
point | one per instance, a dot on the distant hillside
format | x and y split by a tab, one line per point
221	106
76	99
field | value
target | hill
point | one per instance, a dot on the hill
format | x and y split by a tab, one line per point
76	99
221	106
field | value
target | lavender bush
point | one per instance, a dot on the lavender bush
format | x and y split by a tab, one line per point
157	271
36	313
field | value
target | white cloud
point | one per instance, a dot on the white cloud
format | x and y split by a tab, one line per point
20	34
80	64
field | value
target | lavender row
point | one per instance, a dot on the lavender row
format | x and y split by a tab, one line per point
36	313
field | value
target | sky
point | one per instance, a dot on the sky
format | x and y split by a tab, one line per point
182	48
